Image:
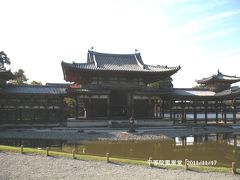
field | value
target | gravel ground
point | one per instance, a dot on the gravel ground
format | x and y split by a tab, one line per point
110	134
18	166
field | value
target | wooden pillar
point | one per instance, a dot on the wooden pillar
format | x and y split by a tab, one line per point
184	141
206	111
6	112
149	107
163	109
89	107
234	171
234	111
108	106
45	108
194	113
76	108
16	114
183	112
235	141
132	107
206	138
216	110
170	110
225	113
47	114
174	117
21	115
222	110
62	116
173	111
34	114
225	116
130	104
1	113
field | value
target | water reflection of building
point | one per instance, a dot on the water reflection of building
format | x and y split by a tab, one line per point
223	148
231	140
117	86
220	147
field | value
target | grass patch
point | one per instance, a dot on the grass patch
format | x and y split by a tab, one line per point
211	169
114	159
69	155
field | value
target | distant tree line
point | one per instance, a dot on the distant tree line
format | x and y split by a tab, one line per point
20	77
164	83
200	86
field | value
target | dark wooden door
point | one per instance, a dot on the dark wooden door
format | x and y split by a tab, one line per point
118	103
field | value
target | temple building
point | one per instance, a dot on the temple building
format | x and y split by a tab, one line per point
219	82
5	75
116	87
30	104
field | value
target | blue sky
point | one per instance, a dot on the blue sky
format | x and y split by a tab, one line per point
200	35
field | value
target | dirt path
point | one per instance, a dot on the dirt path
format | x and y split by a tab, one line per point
24	167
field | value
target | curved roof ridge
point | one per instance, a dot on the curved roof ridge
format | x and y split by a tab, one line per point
140	63
229	75
219	76
192	89
110	54
74	63
164	67
33	85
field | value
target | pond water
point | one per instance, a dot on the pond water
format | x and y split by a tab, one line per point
223	149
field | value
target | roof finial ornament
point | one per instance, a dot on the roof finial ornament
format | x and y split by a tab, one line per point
218	71
136	51
91	48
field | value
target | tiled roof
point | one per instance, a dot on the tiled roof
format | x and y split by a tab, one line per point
206	93
87	66
192	92
33	89
219	77
117	62
87	91
58	84
189	92
4	71
6	74
232	91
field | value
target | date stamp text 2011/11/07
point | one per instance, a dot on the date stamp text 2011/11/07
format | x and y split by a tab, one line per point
181	162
